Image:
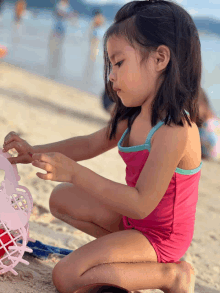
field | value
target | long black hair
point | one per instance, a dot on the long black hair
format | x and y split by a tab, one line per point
147	25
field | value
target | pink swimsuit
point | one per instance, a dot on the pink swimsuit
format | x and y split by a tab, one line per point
170	226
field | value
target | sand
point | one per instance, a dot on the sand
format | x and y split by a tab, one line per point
43	111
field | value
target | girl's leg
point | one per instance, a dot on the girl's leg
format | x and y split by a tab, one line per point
78	209
87	227
86	214
169	277
124	258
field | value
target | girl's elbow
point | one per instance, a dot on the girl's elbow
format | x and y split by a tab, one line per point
142	214
144	211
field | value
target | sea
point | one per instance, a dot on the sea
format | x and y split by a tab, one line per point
28	48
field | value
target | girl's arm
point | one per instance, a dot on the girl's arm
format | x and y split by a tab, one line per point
75	148
85	147
167	149
139	201
118	197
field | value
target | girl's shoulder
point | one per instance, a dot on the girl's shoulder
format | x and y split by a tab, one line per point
191	156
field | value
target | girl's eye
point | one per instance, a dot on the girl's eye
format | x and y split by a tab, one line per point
119	63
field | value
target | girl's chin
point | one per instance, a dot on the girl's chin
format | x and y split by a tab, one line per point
128	105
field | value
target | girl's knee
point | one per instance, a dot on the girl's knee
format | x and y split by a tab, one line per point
60	279
57	279
55	197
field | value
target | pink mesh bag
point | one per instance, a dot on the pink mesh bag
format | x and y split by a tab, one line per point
16	204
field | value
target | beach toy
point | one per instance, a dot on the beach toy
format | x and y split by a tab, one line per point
6	239
16	204
3	51
101	288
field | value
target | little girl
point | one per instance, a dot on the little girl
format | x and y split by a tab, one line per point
153	72
210	130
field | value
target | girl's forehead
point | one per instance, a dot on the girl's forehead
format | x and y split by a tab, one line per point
117	41
118	44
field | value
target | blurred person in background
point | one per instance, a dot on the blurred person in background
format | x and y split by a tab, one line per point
210	130
75	18
94	40
17	26
20	10
1	8
62	12
97	22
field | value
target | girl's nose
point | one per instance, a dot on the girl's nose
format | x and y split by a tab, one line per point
111	76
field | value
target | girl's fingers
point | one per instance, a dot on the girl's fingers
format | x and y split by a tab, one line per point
42	165
14	145
18	159
48	176
43	157
11	136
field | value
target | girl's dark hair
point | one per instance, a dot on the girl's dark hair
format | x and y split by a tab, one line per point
146	25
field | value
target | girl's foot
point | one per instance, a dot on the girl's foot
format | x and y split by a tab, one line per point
184	281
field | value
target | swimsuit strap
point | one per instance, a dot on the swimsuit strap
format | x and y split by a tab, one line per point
154	129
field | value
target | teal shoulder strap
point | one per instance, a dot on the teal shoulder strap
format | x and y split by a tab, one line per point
152	131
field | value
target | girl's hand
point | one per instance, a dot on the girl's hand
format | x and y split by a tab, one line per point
59	167
13	141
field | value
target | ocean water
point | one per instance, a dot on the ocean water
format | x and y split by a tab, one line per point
28	49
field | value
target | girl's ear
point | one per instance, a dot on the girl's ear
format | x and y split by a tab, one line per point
162	57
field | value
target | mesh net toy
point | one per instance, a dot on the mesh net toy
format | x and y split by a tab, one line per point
16	204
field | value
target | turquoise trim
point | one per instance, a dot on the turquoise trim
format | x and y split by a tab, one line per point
189	172
147	146
152	131
135	148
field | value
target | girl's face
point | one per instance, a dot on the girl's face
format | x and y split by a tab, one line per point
138	83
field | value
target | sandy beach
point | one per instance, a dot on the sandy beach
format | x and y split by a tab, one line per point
42	111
